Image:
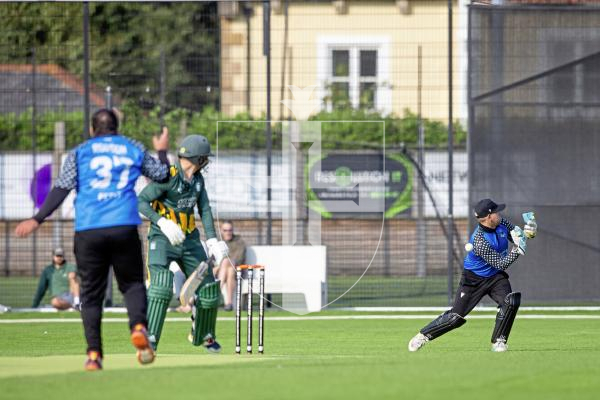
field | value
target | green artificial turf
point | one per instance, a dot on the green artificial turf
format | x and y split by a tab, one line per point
308	359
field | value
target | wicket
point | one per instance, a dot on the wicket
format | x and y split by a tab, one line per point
238	308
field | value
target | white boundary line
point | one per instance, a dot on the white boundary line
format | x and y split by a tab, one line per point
311	318
480	308
123	310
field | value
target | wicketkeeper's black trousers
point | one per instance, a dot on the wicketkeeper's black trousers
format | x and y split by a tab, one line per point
473	288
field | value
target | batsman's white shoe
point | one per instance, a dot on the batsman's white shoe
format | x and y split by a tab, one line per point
417	342
499	346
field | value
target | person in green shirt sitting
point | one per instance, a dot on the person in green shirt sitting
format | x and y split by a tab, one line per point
60	278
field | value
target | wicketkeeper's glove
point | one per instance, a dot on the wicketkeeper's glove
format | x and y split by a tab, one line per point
171	230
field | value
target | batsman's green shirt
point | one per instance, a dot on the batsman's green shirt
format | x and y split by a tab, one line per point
175	200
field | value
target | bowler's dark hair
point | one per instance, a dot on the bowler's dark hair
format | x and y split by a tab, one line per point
105	121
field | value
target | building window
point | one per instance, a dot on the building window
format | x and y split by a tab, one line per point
367	79
340	79
353	73
353	78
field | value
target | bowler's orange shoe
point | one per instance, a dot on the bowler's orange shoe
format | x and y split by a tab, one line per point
139	338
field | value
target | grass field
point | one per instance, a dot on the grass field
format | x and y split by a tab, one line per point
370	291
333	358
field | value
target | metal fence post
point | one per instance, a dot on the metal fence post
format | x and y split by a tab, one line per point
59	148
450	162
34	152
86	71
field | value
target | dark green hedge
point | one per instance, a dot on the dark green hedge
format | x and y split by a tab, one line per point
241	131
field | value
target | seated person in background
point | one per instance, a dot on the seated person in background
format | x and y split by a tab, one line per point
225	272
61	278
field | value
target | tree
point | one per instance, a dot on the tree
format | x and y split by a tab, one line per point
52	28
126	43
128	40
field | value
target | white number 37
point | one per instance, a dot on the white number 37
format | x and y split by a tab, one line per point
103	165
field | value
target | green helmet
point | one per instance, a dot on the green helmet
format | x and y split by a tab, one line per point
193	147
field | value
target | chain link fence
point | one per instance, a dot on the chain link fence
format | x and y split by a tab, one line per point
379	72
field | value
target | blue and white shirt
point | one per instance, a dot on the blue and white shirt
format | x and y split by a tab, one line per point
490	253
104	170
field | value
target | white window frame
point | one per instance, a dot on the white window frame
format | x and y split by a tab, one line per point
354	44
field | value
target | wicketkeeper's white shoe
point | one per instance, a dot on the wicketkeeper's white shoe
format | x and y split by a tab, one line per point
499	346
417	342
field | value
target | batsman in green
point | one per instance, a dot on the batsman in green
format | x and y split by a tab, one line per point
173	236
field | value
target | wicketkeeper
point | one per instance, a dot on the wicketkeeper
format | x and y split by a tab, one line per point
484	274
173	236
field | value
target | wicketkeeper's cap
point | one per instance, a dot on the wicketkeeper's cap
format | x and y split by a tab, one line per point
486	207
59	252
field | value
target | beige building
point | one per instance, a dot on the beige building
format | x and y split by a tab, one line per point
361	53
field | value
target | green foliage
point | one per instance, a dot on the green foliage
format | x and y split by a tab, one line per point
17	130
241	131
340	129
52	28
131	36
126	44
351	134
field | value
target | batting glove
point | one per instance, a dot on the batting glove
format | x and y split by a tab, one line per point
217	249
171	230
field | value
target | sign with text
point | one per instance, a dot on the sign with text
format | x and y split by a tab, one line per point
361	178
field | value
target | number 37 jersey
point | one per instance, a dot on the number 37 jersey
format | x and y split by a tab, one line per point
107	169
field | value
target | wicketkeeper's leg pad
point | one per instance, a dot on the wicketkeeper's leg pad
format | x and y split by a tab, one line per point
160	292
205	312
443	324
506	316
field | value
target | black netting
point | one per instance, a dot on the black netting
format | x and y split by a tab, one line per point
534	78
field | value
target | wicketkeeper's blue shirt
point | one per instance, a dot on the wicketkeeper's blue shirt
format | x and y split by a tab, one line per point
490	253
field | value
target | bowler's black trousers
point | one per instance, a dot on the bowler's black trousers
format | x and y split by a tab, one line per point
95	251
